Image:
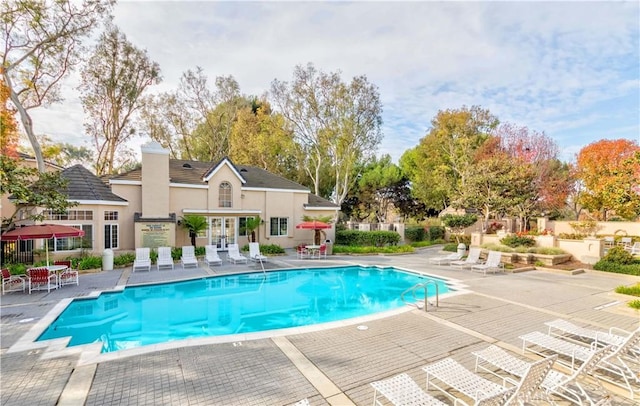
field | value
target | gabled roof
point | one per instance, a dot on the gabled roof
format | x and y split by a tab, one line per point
193	173
317	201
223	162
84	185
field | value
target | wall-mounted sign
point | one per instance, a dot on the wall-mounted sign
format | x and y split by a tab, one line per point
155	235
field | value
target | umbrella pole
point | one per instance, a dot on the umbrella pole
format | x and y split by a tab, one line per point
46	250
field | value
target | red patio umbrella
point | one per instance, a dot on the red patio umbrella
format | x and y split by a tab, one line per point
38	231
314	225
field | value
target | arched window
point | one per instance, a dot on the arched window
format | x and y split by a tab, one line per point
225	198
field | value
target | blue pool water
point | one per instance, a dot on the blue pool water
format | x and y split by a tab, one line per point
234	304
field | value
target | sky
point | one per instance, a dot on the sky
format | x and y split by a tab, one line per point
568	69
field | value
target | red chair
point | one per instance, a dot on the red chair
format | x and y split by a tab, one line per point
322	252
11	283
67	276
301	251
41	279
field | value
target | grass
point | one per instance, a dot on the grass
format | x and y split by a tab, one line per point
629	290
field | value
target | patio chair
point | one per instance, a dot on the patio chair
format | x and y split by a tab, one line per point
143	259
301	251
211	255
164	258
12	283
566	329
234	256
322	251
445	259
609	242
635	249
41	279
472	259
402	390
615	367
68	276
456	376
254	253
188	257
558	383
625	242
493	264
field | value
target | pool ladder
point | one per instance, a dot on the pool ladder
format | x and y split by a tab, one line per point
422	285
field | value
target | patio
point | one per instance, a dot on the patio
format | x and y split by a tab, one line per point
332	366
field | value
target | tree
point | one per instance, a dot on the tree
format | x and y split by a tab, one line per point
252	225
608	170
42	44
8	125
113	81
458	222
64	154
337	125
441	163
195	224
32	191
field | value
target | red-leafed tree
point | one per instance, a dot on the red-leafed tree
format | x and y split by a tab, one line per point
609	172
8	125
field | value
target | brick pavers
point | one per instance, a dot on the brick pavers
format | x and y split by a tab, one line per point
501	308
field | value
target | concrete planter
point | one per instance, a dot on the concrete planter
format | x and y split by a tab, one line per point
552	259
525	258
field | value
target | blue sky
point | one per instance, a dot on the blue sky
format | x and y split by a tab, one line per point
570	69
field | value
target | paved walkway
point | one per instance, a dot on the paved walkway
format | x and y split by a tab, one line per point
329	366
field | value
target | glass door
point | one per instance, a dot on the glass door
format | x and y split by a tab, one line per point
223	232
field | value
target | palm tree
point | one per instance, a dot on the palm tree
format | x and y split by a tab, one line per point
195	224
252	225
324	219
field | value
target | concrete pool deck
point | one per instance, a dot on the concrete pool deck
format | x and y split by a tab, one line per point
327	366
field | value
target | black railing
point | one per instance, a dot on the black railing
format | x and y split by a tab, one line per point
9	254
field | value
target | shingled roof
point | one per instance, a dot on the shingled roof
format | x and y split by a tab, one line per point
84	185
317	201
192	173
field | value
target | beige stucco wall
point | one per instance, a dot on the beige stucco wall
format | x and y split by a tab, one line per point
155	188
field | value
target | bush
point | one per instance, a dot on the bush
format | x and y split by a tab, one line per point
497	247
200	251
634	304
124	259
391	249
90	263
629	290
17	269
414	233
574	236
435	233
367	238
548	251
619	255
450	247
271	249
515	240
608	266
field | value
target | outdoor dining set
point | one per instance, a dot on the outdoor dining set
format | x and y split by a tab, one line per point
311	251
46	278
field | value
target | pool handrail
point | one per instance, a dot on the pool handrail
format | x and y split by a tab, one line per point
423	285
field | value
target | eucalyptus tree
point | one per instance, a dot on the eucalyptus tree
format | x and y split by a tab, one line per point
337	125
42	42
113	83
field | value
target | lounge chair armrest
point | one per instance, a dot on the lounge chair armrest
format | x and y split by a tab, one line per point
509	380
612	330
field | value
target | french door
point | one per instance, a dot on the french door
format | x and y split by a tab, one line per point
223	231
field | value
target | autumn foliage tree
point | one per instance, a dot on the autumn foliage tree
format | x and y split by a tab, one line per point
608	170
8	125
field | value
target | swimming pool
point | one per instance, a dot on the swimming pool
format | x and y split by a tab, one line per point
233	304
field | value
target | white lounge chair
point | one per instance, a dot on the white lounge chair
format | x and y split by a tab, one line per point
472	259
402	390
617	369
211	255
234	256
254	253
566	329
143	259
188	257
566	386
635	249
625	242
445	259
493	264
164	258
456	376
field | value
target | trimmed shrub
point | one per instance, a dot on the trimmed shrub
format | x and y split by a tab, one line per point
450	247
634	304
414	233
367	238
515	240
619	255
435	233
391	249
608	266
629	290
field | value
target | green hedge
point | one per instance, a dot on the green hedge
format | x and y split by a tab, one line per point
367	238
267	249
415	233
608	266
435	233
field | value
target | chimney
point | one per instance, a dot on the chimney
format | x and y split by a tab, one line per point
155	181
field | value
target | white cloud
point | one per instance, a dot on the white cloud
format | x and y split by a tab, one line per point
546	65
